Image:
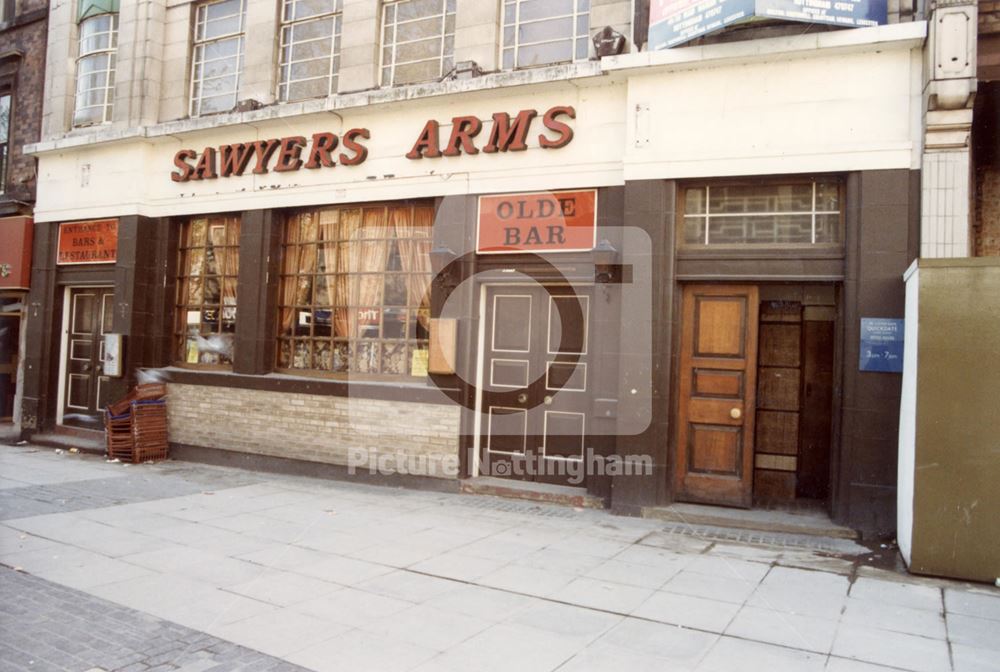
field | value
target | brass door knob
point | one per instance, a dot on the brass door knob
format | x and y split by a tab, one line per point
736	414
522	398
547	400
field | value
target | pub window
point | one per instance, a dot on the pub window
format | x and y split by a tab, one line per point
4	138
544	32
217	61
310	48
797	213
354	293
206	290
95	70
418	40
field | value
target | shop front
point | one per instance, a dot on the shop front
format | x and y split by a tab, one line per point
644	284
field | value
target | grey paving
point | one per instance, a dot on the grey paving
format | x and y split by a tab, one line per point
45	626
31	489
340	576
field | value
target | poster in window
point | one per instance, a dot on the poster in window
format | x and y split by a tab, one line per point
418	363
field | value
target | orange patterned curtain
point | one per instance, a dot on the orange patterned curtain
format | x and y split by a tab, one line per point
350	226
367	260
413	234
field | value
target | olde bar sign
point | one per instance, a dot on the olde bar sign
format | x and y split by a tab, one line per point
291	153
93	242
548	221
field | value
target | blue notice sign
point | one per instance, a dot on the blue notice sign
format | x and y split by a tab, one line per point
881	344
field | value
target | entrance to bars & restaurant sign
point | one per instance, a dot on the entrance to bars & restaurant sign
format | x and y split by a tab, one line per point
91	242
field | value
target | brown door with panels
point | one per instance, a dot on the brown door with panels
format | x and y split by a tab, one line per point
714	456
91	313
535	387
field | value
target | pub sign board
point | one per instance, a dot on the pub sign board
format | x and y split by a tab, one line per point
674	22
881	345
544	221
91	242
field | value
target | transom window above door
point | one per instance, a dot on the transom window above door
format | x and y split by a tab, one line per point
544	32
806	212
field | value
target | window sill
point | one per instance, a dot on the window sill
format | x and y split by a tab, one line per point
411	391
345	101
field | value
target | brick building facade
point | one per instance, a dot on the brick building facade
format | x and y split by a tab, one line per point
23	42
23	39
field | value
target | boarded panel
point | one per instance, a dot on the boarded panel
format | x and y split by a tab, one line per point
714	449
778	486
779	345
719	326
817	410
775	462
714	383
777	432
778	389
780	311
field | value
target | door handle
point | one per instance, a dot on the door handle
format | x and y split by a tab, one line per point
522	398
86	367
735	414
548	400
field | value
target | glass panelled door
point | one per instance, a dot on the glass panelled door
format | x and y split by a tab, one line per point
91	315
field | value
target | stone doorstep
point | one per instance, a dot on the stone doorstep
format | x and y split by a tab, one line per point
85	440
545	493
784	522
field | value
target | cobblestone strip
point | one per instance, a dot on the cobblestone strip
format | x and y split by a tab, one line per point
45	627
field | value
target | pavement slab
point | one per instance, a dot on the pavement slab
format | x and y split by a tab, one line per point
174	566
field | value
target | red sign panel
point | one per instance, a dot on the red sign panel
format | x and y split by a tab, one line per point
93	242
15	252
547	221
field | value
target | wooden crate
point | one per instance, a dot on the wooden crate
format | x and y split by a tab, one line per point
140	433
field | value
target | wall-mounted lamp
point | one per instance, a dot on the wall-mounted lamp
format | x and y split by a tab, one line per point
605	257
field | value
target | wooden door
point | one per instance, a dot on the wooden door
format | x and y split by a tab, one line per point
535	394
91	312
714	456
